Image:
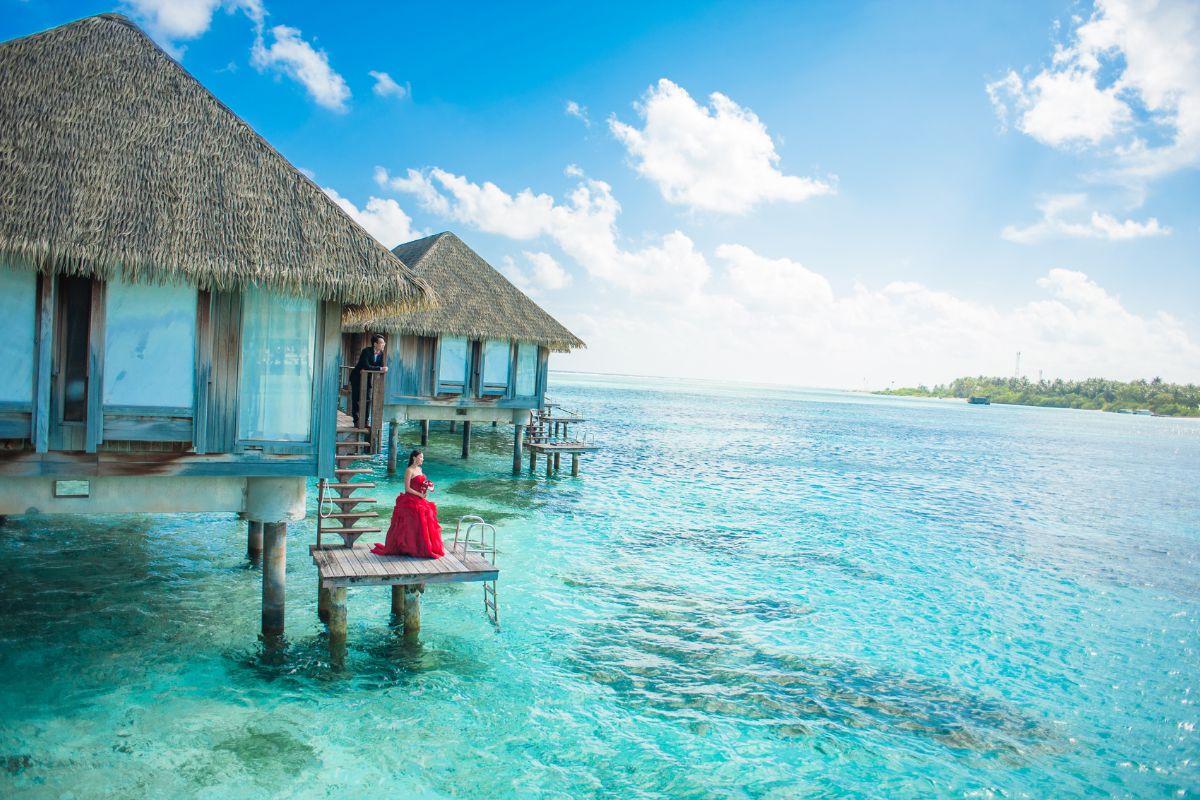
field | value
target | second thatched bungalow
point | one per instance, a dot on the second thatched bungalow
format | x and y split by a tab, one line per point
480	356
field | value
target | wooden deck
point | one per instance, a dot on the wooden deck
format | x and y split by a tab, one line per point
561	447
342	567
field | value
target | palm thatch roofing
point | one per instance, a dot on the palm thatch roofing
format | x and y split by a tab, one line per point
115	161
474	299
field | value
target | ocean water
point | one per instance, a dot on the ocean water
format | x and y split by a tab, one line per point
749	593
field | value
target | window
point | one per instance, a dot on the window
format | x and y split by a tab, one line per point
527	367
278	344
18	298
452	364
496	355
149	345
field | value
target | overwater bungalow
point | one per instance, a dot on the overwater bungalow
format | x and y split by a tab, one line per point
172	295
481	355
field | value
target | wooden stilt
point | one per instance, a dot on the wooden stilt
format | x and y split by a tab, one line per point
453	426
393	443
324	599
518	442
557	461
494	423
412	608
424	433
466	451
254	540
398	602
337	617
575	464
549	465
274	572
533	460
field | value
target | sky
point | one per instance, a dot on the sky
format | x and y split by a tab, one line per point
832	194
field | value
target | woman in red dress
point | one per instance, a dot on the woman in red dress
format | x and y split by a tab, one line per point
414	530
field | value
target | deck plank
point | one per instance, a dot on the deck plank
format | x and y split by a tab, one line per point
357	566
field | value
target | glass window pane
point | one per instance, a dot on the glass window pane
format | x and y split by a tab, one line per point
527	357
149	345
495	363
453	360
278	344
18	301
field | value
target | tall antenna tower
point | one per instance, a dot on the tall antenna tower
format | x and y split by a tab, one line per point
1017	371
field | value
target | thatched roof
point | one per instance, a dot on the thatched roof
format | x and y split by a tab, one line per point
115	161
474	299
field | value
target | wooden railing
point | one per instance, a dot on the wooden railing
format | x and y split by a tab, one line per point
370	402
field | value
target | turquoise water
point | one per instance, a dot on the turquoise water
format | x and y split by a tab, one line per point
757	593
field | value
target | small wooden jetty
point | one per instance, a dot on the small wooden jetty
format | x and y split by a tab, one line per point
547	434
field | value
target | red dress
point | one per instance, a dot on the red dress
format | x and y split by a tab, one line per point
414	530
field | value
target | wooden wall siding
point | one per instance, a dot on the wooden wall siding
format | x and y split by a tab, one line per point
226	323
542	375
329	357
27	464
204	344
94	433
15	424
43	374
412	371
147	427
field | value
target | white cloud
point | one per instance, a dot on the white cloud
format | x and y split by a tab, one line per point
385	86
1127	81
543	273
1096	226
573	109
172	21
904	332
583	225
719	158
292	56
382	218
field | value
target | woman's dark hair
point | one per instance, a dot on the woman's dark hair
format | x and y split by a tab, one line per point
378	338
412	457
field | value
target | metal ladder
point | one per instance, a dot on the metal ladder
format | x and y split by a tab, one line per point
474	538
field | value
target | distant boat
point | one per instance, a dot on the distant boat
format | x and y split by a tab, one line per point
978	400
1143	412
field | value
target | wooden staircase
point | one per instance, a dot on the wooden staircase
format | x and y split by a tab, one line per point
336	512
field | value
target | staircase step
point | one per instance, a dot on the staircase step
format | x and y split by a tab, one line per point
363	485
340	472
353	430
353	457
350	515
352	500
352	443
325	530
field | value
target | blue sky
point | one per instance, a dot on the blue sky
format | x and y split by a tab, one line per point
826	194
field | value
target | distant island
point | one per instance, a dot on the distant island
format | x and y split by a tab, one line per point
1156	396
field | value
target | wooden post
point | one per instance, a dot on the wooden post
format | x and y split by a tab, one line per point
324	600
254	540
466	451
393	443
424	433
518	441
274	579
557	461
494	423
532	460
549	465
337	617
575	464
398	602
453	426
412	608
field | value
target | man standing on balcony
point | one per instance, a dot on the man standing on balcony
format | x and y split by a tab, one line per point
370	359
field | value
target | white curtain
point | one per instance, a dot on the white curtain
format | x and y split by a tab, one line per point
278	344
452	360
149	345
527	364
18	298
496	355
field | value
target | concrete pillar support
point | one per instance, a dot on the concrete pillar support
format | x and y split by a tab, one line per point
324	600
518	443
398	602
274	578
412	608
254	540
393	443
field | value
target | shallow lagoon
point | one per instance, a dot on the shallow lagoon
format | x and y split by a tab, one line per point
750	592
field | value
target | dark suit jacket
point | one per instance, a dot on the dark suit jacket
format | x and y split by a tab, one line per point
367	360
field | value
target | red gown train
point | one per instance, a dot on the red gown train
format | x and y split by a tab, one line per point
414	530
